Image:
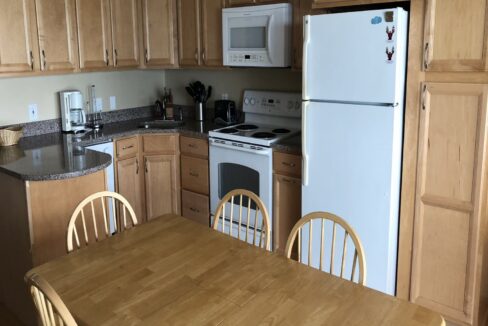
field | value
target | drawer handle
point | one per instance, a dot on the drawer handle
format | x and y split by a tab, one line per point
192	145
194	210
127	147
194	174
291	165
289	181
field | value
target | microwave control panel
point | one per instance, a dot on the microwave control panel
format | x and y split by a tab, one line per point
244	59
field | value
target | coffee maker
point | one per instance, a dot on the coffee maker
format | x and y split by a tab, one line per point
73	117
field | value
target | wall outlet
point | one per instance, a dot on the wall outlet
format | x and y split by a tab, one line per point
33	112
113	103
98	104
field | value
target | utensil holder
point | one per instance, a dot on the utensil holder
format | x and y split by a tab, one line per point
200	111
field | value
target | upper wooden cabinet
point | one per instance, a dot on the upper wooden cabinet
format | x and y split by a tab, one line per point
189	32
18	46
94	34
160	33
231	3
450	206
200	32
211	52
125	32
56	26
455	37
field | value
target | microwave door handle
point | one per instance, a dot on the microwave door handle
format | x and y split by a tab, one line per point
269	46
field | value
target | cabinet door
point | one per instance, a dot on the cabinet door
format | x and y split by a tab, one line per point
189	32
94	34
212	32
456	35
56	26
231	3
18	41
129	184
448	208
194	174
162	190
287	208
160	35
125	31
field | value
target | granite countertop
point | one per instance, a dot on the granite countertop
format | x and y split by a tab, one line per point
58	156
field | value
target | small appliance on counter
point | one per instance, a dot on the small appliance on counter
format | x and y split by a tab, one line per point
95	120
225	112
200	95
73	117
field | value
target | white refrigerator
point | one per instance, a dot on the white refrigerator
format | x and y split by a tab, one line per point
352	115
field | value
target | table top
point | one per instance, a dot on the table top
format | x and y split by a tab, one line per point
173	271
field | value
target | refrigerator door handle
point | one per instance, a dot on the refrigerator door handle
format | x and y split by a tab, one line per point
305	155
306	44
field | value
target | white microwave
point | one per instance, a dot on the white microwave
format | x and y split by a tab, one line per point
257	36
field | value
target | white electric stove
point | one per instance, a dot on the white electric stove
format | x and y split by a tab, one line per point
241	156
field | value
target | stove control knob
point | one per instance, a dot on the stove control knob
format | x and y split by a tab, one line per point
253	101
246	100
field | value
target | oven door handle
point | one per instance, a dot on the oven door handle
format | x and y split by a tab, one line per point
264	151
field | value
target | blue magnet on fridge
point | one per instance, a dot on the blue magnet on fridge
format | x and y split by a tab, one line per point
376	20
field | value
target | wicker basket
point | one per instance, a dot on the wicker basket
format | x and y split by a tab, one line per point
10	136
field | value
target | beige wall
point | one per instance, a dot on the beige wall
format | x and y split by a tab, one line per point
232	82
131	88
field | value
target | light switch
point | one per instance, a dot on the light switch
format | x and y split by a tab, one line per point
33	112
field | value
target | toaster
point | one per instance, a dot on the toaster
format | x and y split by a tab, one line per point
225	112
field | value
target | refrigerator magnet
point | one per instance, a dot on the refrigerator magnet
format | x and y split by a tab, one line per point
389	33
376	20
389	54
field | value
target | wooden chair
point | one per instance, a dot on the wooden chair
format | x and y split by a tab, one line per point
52	310
253	202
102	198
323	217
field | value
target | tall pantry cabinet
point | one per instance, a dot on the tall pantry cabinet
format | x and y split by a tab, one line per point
443	253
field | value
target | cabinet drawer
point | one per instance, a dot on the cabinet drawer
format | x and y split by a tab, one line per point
194	146
160	143
196	207
194	174
288	164
126	147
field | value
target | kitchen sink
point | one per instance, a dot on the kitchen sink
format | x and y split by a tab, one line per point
161	124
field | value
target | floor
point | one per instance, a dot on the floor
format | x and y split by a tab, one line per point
7	318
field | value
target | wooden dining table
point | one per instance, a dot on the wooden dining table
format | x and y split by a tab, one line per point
173	271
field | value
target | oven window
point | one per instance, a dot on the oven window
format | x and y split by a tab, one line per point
235	176
248	37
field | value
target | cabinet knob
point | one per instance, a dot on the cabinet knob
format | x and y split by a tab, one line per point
31	60
291	165
194	210
106	57
426	56
115	57
196	55
137	166
203	55
43	53
146	56
194	174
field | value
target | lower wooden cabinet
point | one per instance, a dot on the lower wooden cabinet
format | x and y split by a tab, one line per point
161	185
195	207
195	202
129	184
148	174
287	197
449	271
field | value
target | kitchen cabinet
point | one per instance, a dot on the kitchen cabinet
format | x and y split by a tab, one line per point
297	38
33	231
456	34
18	47
161	185
235	3
56	28
287	197
108	34
160	33
449	265
125	32
200	32
94	34
195	179
128	174
147	173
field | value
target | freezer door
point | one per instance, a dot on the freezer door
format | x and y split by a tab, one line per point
354	164
355	56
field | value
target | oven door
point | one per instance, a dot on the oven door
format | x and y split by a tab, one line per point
233	167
